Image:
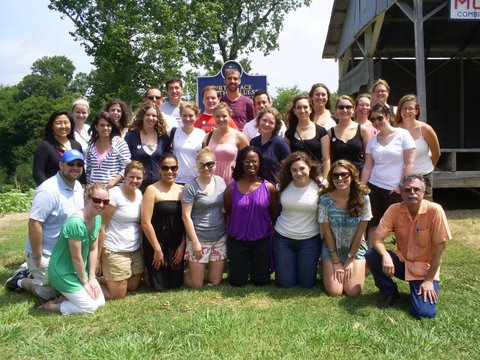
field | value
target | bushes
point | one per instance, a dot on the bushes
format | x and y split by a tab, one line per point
14	201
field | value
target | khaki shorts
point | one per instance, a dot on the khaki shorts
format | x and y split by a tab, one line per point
211	251
118	266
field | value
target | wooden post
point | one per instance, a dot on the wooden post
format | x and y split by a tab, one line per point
420	58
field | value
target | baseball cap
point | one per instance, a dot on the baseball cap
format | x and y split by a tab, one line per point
71	155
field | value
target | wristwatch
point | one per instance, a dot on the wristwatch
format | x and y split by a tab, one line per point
349	256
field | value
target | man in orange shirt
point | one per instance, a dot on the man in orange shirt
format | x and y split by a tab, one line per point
421	231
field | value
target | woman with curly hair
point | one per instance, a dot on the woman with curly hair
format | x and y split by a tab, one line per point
148	140
120	113
343	214
250	203
296	244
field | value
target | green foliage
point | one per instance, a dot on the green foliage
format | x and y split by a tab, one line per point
140	43
283	100
15	201
24	111
49	78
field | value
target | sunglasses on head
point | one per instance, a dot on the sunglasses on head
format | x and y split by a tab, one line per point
76	164
340	175
99	201
152	97
343	107
208	164
376	118
166	168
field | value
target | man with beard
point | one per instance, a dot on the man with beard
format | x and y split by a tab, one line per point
242	106
421	231
55	200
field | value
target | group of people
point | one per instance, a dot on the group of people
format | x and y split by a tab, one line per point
171	196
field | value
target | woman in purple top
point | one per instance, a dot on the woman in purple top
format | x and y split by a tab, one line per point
250	203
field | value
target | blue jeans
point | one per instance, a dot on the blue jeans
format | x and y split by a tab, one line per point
386	285
296	261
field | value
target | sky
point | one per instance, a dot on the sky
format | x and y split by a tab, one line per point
29	31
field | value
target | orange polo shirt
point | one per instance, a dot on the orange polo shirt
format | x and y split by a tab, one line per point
416	238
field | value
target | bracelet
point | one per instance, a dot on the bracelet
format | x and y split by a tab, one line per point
331	251
336	263
36	257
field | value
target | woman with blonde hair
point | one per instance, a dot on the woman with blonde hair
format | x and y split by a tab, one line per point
225	142
186	141
80	112
344	212
203	216
427	150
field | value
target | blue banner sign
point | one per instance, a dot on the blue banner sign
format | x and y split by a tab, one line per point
248	86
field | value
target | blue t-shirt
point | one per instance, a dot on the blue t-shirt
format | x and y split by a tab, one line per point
273	152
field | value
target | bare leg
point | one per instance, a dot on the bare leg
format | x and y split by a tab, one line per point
215	272
195	275
355	285
332	286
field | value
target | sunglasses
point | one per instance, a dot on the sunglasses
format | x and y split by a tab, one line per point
166	168
342	175
409	190
99	201
76	164
376	118
154	97
343	107
208	164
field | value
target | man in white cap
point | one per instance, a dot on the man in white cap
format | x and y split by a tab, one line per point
55	200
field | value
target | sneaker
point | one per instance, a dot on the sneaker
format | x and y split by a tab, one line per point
11	283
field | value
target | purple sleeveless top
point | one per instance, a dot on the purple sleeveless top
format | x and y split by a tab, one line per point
249	214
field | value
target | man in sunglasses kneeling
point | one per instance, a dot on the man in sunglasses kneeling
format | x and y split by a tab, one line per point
421	231
55	200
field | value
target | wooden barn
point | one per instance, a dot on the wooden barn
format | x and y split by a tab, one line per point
418	47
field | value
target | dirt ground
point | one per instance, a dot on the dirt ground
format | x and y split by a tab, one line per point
7	219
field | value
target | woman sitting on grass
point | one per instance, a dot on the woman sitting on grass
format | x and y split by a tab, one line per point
71	270
120	260
344	213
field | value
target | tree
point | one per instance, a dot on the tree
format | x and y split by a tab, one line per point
131	41
284	98
49	78
218	30
139	43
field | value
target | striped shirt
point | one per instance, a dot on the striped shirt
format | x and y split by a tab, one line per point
103	168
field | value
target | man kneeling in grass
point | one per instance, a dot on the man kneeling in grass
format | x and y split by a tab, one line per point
421	231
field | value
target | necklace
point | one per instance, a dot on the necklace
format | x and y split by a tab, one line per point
305	128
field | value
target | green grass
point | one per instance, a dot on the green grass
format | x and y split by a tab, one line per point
258	323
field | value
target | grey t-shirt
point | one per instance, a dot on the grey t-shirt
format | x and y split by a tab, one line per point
207	215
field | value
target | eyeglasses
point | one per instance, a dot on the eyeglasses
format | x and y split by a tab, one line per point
410	189
376	118
408	109
381	90
76	164
344	107
248	162
342	175
208	164
99	201
152	97
166	168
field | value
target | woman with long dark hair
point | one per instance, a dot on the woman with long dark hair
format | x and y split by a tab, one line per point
343	214
250	204
304	135
120	113
58	137
107	154
296	244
